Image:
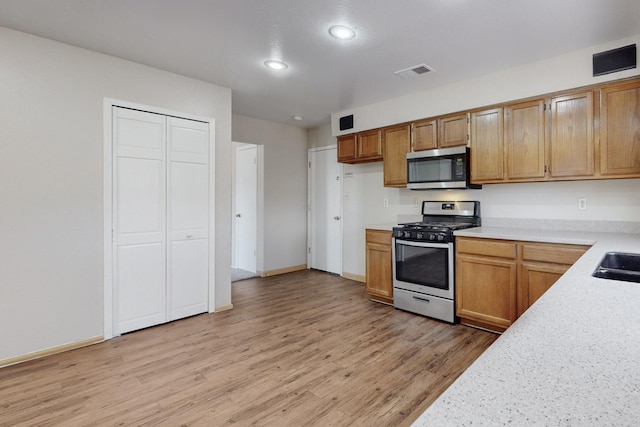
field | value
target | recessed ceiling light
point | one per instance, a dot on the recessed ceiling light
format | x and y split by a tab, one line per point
342	32
298	118
275	65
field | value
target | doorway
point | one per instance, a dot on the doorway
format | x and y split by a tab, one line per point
245	219
325	210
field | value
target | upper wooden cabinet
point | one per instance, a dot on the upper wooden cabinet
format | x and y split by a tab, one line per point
347	148
443	132
525	140
453	131
487	146
580	134
360	147
572	144
620	130
544	139
395	143
370	145
424	135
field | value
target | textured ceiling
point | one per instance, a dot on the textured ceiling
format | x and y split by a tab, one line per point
227	41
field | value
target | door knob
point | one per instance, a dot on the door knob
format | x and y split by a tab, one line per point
238	215
337	218
189	235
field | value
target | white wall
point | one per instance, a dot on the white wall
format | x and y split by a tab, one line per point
283	241
554	74
609	201
320	137
51	170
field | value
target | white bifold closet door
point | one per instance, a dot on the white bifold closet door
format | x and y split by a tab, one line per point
161	217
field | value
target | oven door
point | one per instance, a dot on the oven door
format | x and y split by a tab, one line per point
423	267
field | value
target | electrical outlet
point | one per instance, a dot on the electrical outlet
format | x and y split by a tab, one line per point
582	204
385	202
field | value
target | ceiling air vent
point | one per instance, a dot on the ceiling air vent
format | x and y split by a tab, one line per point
413	72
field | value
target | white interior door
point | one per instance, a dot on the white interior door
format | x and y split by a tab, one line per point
325	210
139	226
246	217
188	217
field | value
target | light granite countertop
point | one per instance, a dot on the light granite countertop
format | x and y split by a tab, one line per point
572	359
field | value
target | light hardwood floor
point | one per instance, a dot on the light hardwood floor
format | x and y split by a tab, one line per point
300	349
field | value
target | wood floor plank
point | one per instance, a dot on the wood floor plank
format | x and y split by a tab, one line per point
304	348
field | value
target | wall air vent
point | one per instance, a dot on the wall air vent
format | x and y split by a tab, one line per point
413	72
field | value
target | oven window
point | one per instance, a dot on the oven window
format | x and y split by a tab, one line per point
422	266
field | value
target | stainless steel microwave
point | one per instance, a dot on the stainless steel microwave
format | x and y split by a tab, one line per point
446	168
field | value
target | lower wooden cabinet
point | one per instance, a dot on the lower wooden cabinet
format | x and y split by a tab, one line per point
379	274
486	276
498	280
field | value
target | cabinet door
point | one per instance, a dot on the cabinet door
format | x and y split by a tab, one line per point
572	145
542	266
396	146
536	280
347	148
369	145
486	290
424	135
620	130
487	146
453	131
525	140
379	279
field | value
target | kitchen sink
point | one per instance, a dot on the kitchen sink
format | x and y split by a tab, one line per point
619	266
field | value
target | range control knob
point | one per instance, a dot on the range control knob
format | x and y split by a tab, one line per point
407	234
432	236
419	236
440	237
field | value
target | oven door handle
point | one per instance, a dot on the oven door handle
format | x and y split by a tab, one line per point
422	244
421	299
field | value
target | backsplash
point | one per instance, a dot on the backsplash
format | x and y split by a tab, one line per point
563	224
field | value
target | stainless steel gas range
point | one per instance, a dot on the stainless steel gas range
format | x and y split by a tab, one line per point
423	258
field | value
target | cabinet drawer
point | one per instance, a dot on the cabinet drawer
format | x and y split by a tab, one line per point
486	247
379	236
557	254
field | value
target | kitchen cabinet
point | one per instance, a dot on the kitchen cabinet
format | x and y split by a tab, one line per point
424	135
487	146
443	132
498	280
361	147
620	130
395	143
579	134
572	144
543	140
542	265
525	140
347	148
486	276
379	274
